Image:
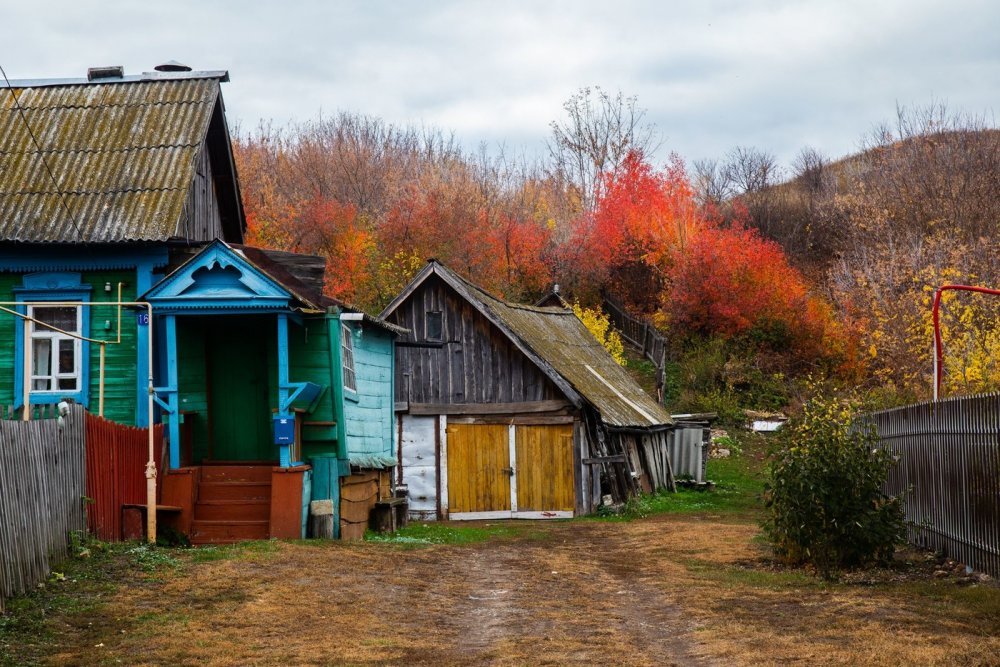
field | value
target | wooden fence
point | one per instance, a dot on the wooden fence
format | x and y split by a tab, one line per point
41	496
641	335
116	472
949	460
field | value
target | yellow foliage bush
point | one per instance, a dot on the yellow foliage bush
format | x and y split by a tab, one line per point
598	323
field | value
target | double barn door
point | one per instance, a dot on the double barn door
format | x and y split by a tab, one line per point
501	471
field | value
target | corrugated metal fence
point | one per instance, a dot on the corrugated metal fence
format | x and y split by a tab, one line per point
949	455
116	465
41	496
688	450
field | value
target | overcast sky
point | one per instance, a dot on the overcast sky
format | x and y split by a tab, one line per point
711	75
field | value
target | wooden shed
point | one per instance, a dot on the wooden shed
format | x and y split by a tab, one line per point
514	411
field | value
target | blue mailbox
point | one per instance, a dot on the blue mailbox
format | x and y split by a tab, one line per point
284	430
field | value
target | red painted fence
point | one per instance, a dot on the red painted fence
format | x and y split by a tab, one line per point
116	472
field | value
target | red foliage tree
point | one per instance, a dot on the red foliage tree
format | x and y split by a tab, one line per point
729	282
641	217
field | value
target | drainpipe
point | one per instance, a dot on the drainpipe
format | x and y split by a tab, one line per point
935	315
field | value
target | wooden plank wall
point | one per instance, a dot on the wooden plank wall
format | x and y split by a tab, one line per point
201	219
42	472
358	494
116	472
368	412
949	455
473	363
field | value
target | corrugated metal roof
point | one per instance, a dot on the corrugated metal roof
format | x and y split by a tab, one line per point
121	152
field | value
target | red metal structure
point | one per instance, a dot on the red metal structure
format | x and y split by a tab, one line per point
938	348
116	458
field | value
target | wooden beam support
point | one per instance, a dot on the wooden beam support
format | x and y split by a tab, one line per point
598	460
487	408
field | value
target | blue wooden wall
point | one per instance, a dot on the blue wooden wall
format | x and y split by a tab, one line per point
368	413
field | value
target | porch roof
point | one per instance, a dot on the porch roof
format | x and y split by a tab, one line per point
221	278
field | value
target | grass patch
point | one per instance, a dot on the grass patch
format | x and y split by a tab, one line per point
423	534
74	593
739	483
775	580
249	551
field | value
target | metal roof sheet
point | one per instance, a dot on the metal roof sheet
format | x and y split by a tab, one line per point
121	152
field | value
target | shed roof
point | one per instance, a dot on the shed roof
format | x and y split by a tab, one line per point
562	347
121	151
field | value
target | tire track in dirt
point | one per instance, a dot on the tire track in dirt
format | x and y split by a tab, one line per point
583	595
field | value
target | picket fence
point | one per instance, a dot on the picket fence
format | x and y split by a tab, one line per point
949	471
41	496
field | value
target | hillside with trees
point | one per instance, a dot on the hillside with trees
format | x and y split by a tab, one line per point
757	280
879	231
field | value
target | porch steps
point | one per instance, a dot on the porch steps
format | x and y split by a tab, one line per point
234	504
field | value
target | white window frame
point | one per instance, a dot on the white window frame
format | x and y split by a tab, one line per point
347	368
42	332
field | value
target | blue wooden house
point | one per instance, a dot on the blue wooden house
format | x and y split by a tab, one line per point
123	188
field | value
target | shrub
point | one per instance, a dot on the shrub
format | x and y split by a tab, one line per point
824	492
599	324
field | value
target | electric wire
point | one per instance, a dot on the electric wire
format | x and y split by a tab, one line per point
41	155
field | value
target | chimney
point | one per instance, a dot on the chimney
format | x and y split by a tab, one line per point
172	66
108	72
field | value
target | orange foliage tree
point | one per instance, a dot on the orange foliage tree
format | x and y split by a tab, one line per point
730	282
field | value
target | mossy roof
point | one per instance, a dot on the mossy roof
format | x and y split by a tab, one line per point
562	347
116	160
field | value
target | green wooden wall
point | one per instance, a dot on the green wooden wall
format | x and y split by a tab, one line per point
310	361
120	361
7	283
192	391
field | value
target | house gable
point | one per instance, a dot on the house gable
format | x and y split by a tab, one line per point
219	279
472	361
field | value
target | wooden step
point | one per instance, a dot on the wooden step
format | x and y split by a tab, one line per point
234	491
235	473
232	510
227	532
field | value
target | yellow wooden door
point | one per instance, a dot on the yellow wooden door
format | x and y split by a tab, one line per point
544	456
478	468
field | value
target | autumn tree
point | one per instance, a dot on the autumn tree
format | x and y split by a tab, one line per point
598	133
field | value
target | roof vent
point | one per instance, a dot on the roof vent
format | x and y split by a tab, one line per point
109	72
172	66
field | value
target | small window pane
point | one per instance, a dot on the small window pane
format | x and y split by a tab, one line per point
67	383
433	328
41	384
67	356
41	356
347	358
58	316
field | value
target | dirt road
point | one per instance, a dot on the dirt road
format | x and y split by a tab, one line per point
661	591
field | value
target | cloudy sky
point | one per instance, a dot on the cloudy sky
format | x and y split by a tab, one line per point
711	74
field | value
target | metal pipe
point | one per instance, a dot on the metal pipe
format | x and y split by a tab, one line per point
936	318
151	462
100	386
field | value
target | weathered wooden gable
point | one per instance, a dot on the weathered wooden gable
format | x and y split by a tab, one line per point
472	361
